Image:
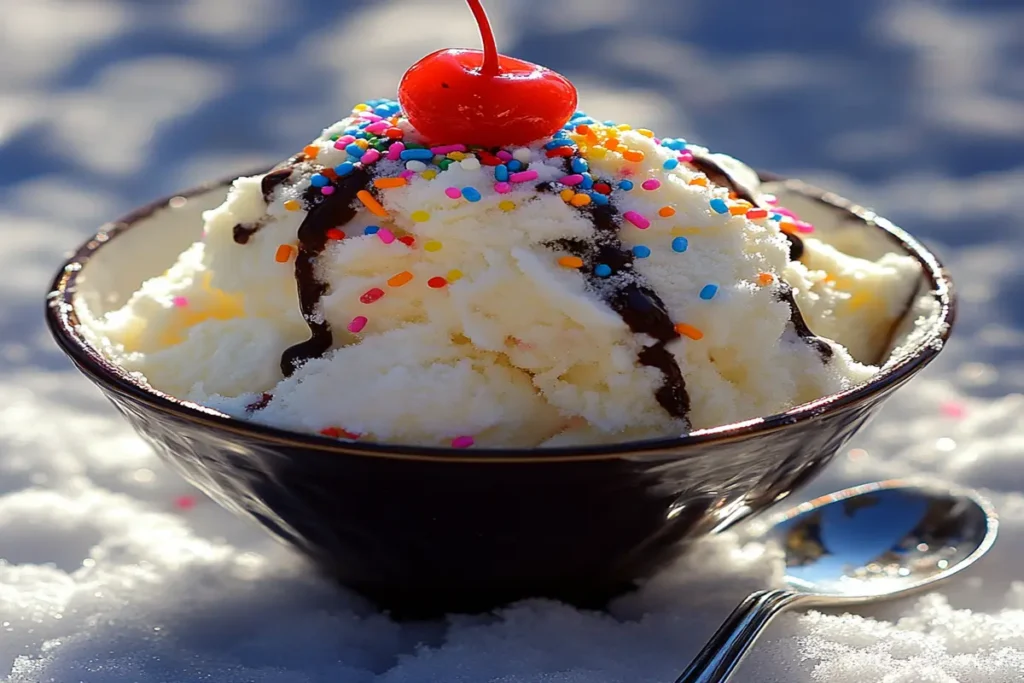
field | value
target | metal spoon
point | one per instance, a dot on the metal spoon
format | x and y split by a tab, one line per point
871	542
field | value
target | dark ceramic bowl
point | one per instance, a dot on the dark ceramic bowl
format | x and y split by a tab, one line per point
423	531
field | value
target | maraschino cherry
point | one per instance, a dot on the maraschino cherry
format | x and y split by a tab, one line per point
483	98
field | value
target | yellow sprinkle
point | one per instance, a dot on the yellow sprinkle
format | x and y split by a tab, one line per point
624	126
507	205
633	155
666	211
689	331
284	253
645	132
420	216
432	245
429	174
388	183
292	205
699	180
311	151
361	107
570	262
765	279
745	204
598	152
567	194
370	203
457	156
580	200
362	143
454	275
400	279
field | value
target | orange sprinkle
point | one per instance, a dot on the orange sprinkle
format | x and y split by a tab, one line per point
370	203
580	200
570	262
284	253
388	183
737	210
567	194
292	205
666	211
689	331
329	173
400	279
699	180
583	129
611	143
633	155
765	278
311	151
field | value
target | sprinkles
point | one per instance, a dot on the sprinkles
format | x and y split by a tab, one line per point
357	324
708	292
689	331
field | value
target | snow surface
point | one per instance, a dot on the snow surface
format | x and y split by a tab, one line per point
112	575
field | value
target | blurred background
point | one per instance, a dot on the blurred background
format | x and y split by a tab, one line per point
914	107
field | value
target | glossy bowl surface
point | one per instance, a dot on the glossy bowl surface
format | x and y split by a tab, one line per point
423	531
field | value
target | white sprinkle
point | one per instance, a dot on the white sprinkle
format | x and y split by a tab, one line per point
416	165
522	155
470	164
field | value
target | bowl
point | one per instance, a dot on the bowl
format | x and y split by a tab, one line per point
425	531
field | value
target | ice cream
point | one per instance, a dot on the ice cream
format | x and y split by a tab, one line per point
602	284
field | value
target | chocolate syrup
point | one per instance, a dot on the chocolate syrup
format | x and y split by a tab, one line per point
272	180
243	232
323	213
785	294
259	404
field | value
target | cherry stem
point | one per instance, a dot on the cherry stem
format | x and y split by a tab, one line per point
491	66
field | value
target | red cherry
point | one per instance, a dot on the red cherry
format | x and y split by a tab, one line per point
482	98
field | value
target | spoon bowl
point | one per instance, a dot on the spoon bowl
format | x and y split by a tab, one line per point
874	542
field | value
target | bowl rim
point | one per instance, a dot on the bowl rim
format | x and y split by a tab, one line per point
63	322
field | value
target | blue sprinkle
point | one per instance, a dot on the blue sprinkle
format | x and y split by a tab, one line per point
569	126
578	114
602	270
344	169
515	165
501	173
708	292
626	185
719	206
417	154
318	180
598	198
382	110
558	142
776	216
584	120
610	123
674	143
588	182
640	251
362	135
580	165
680	244
670	164
471	193
354	150
371	229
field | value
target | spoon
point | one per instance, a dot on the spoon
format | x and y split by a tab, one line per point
873	542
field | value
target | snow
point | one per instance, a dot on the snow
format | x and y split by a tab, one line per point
111	574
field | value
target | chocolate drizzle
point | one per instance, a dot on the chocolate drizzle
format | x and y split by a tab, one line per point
625	291
785	294
243	232
323	213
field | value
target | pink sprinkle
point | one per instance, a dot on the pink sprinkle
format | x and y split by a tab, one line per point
685	156
453	192
651	184
523	176
357	324
770	199
370	157
637	219
504	156
179	302
386	236
574	179
340	145
657	141
462	442
186	502
446	149
953	409
785	212
367	116
346	140
327	190
377	128
804	227
407	174
502	187
395	151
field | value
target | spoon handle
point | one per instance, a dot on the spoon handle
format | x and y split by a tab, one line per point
726	649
